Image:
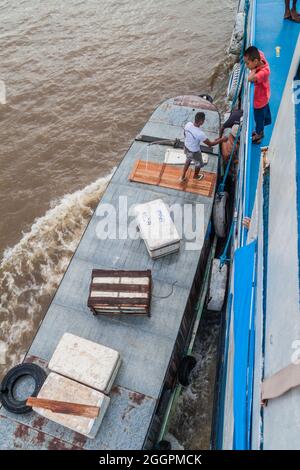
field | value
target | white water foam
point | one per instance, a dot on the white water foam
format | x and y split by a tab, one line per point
31	270
191	424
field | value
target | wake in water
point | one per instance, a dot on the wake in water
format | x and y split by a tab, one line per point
191	424
30	272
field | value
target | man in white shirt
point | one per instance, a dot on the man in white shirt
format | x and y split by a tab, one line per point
193	138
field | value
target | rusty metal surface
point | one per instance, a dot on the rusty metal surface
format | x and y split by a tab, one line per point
124	427
38	361
15	435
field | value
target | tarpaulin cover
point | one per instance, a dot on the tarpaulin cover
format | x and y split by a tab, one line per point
243	343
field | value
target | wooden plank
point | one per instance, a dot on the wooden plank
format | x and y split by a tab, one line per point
171	176
204	186
115	301
124	280
120	273
170	179
134	169
140	310
144	171
120	287
118	295
150	169
122	313
64	407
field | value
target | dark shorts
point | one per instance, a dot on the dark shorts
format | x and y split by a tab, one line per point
262	117
195	157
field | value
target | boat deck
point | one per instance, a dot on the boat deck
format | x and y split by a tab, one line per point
145	344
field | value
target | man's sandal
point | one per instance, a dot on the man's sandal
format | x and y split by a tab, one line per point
199	177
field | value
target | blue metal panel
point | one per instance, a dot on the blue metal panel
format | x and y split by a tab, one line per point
297	124
243	295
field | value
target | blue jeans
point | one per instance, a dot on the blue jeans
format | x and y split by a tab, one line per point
262	117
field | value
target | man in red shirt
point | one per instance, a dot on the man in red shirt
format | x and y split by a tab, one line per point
260	76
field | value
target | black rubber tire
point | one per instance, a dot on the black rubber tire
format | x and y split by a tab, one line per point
234	82
185	368
7	386
206	97
163	445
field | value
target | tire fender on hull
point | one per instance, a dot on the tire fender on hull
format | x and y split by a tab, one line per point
220	214
185	368
235	83
217	286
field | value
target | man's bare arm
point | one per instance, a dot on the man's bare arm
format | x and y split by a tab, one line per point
212	143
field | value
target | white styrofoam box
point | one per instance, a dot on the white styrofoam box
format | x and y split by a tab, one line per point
178	157
87	362
57	387
156	225
175	156
167	250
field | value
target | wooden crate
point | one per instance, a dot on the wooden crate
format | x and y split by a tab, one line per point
115	292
